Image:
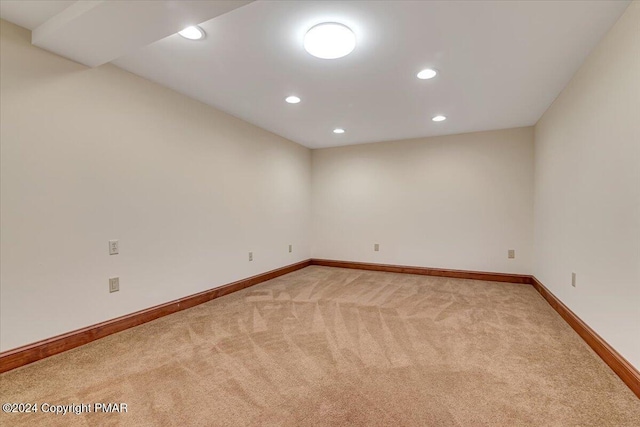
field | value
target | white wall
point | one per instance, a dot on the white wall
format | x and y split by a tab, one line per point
587	190
89	155
459	201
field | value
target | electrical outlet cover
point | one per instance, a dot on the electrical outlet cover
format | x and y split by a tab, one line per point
114	247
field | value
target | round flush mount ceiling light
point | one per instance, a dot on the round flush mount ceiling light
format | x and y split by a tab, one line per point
329	40
338	130
426	74
292	99
439	118
192	33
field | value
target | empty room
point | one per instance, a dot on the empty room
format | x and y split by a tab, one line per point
320	213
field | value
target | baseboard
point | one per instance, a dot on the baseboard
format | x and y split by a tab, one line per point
627	372
426	271
21	356
30	353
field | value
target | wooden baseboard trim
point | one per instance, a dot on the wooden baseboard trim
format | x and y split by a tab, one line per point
425	271
30	353
21	356
627	373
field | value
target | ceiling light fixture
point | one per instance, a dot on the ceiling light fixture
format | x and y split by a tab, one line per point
292	99
338	130
439	118
426	74
192	33
329	40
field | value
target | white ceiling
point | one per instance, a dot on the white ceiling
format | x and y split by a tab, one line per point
31	13
501	64
98	31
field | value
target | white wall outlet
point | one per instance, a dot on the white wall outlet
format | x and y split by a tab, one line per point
290	248
114	284
376	247
511	254
114	247
573	279
250	256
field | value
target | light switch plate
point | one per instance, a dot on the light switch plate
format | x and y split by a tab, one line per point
114	247
114	284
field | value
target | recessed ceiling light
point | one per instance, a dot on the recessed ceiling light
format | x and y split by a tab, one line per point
329	40
192	33
427	73
439	118
338	130
292	99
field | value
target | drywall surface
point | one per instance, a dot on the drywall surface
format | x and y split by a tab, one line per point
90	155
587	190
459	201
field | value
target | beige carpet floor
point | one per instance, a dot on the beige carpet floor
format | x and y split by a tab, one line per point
335	347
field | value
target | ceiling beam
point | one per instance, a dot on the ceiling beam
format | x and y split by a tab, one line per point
98	31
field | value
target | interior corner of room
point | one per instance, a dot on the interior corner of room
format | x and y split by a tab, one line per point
131	189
